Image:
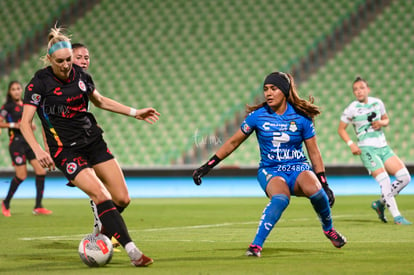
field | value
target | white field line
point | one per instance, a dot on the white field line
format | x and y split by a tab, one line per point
204	226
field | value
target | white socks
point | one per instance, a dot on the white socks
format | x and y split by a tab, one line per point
403	178
97	226
387	196
133	252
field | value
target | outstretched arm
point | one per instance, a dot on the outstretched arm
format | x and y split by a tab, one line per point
150	115
231	144
225	150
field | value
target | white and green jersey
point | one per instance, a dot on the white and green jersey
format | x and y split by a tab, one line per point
361	115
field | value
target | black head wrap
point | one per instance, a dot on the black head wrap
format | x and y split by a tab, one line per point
280	80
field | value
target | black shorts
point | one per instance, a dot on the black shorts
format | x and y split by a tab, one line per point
20	151
73	160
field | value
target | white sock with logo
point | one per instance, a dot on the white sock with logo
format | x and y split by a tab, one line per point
402	179
387	196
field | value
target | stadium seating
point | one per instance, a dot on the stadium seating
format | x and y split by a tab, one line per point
386	66
200	62
20	20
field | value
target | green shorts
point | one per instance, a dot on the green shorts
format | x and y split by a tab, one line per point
373	158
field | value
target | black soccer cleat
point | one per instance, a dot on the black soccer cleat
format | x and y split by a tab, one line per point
335	237
254	250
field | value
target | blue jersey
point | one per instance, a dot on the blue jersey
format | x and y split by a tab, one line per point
280	137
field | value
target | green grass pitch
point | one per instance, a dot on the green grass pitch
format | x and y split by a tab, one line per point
210	236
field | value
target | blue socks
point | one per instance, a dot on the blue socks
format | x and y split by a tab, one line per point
278	203
271	214
320	203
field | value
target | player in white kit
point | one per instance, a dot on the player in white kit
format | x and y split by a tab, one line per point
368	115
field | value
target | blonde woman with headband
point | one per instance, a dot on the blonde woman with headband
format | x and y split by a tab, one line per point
59	94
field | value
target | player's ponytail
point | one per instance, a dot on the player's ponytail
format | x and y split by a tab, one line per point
55	36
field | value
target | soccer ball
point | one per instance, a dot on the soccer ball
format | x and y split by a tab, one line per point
95	250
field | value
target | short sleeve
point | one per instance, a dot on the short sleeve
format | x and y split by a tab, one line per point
33	92
3	111
347	115
249	124
90	85
382	107
308	128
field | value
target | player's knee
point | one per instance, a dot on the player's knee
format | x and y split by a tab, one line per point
123	202
403	175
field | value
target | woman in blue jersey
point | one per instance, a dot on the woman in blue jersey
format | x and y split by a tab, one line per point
282	124
20	152
368	116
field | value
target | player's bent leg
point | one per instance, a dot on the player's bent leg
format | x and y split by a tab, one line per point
115	225
110	173
270	216
116	185
320	203
97	227
108	214
87	181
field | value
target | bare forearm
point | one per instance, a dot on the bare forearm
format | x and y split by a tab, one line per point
114	106
28	134
226	149
231	144
342	132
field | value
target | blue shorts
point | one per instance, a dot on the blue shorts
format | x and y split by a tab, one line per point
289	172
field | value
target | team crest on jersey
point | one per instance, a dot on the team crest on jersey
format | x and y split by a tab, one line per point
36	98
19	160
246	128
293	127
82	86
71	167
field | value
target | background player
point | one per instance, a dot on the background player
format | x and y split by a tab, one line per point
81	55
20	152
368	116
81	58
